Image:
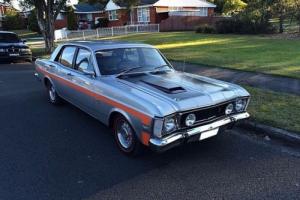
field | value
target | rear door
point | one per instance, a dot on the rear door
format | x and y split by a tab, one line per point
65	71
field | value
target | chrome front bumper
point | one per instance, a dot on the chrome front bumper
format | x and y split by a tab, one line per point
180	137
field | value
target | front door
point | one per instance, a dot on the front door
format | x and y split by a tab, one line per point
84	95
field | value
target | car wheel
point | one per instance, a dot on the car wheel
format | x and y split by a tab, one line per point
125	137
52	95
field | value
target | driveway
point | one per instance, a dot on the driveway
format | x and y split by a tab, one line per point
49	152
259	80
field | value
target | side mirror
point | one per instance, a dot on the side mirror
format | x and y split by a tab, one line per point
89	72
24	41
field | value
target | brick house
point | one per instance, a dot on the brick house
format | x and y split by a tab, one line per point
86	14
154	11
171	14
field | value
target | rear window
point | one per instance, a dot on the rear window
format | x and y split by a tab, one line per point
9	38
67	56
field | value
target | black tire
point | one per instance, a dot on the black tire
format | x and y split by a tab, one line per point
134	147
52	95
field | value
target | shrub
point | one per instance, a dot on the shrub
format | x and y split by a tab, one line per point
226	26
205	29
199	29
243	26
13	21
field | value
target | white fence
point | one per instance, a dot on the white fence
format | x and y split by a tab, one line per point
66	35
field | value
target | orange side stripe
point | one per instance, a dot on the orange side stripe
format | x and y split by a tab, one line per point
143	117
145	137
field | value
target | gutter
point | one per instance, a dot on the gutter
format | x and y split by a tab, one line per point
272	132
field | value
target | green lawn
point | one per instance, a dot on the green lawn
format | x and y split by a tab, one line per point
25	34
242	52
275	109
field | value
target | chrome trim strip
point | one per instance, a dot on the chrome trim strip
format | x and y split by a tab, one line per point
177	136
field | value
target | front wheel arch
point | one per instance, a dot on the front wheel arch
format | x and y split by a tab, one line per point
136	146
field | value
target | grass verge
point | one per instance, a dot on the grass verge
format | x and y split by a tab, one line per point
275	109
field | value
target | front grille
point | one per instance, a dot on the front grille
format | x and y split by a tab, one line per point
205	114
13	50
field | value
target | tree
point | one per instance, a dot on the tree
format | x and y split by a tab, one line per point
233	6
46	12
219	4
281	9
32	22
259	10
229	7
71	18
130	4
296	9
13	21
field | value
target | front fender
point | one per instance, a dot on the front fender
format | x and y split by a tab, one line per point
136	124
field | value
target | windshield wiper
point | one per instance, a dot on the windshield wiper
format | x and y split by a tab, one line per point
128	70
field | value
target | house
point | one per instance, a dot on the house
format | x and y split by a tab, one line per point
173	14
86	14
154	11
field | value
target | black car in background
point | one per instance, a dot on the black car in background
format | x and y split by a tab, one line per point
12	48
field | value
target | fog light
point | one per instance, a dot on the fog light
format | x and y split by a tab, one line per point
190	119
229	109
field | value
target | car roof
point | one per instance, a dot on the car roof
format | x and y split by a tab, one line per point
107	44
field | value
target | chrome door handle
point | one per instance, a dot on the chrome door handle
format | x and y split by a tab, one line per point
70	74
50	66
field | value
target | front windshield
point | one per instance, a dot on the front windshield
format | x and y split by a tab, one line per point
9	38
116	61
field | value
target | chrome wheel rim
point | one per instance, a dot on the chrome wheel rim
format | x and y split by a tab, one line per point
125	134
52	93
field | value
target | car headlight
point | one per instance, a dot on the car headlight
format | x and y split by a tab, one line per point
229	109
169	124
240	105
2	50
190	119
27	50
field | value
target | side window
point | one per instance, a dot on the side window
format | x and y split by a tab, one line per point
67	56
83	60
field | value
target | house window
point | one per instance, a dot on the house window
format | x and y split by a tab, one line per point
203	12
89	17
143	14
60	16
112	15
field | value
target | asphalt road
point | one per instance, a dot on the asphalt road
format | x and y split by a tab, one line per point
49	152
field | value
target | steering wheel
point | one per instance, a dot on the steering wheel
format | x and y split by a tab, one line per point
126	64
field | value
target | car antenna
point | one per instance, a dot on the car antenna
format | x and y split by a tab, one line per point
184	64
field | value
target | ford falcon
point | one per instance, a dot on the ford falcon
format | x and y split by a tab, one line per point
133	89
